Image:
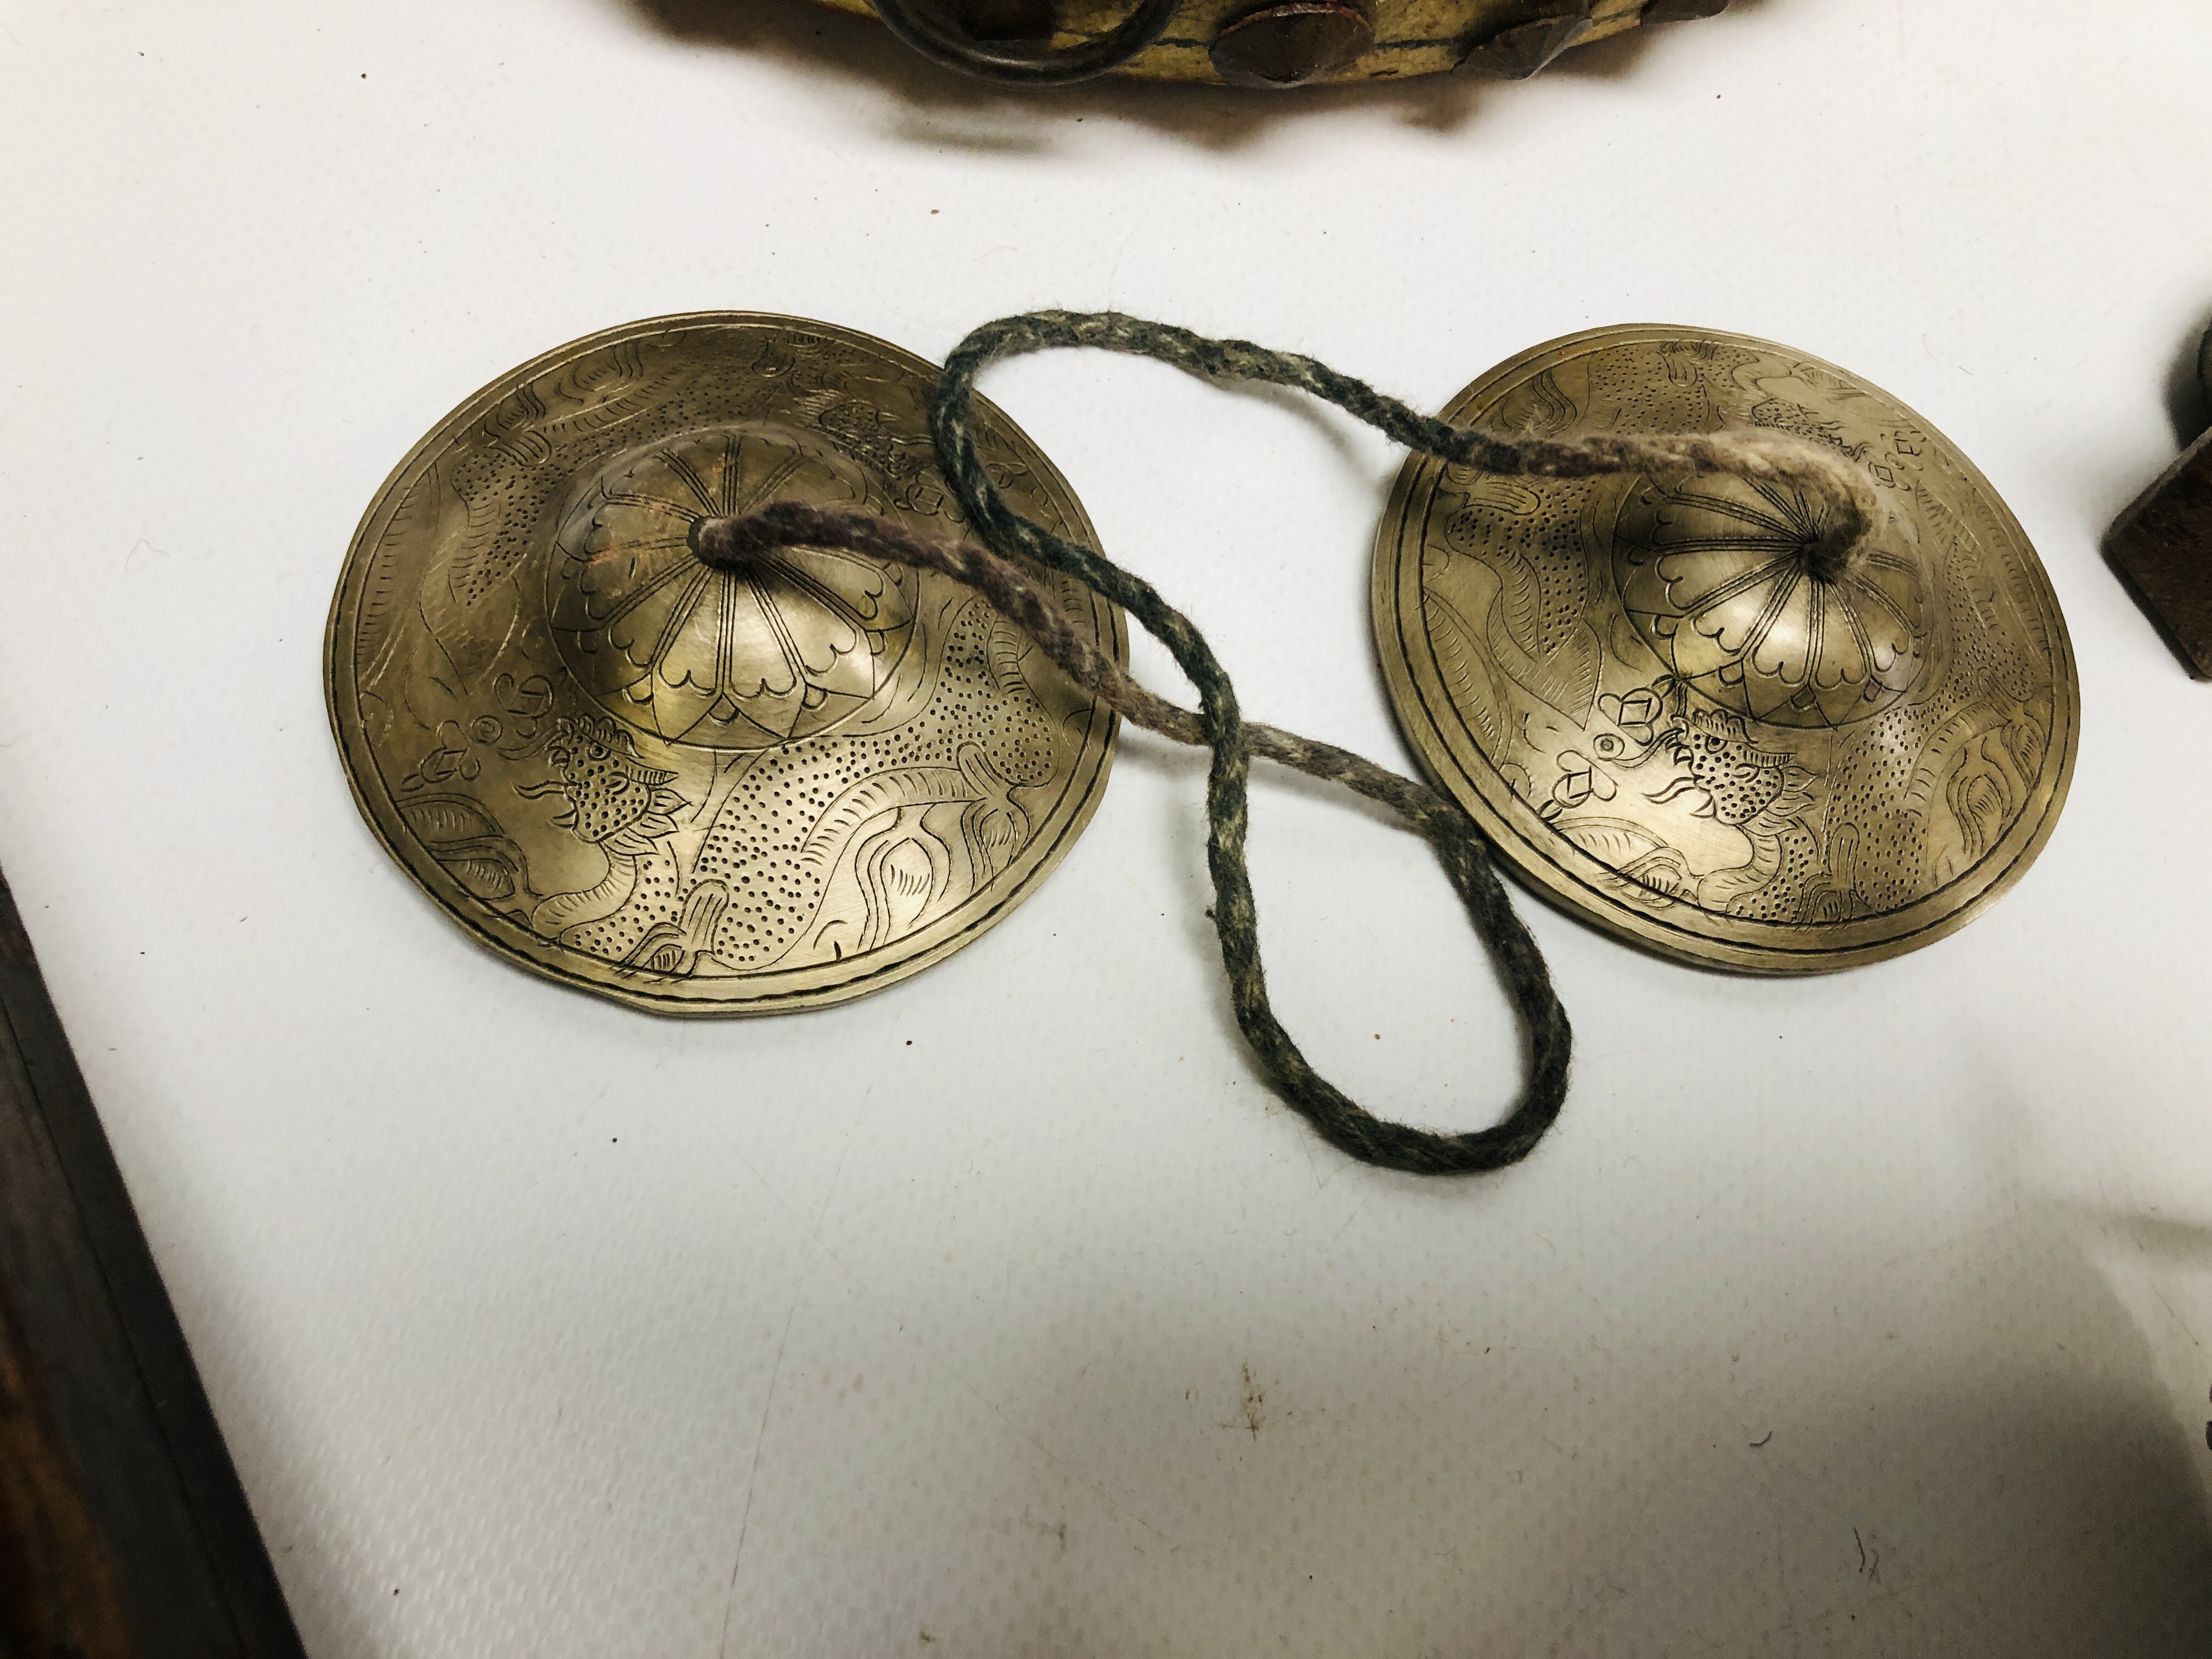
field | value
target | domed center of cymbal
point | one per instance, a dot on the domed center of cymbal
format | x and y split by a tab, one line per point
721	543
1840	549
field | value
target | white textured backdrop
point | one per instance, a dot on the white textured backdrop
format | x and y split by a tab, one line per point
538	1327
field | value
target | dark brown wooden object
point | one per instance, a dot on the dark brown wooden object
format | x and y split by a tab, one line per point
2163	545
124	1530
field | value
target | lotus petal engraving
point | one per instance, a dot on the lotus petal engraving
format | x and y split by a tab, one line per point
722	658
1782	766
1714	572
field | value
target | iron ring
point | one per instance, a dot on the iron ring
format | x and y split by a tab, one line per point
923	26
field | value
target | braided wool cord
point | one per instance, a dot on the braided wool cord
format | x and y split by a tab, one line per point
1218	723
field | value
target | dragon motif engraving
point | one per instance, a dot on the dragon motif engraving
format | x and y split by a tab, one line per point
689	787
1650	670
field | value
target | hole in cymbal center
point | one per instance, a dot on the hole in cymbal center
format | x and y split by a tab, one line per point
1837	553
718	544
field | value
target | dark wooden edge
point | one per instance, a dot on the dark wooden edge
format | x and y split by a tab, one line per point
2159	547
122	1528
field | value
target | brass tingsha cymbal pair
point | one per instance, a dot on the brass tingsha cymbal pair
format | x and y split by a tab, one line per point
700	790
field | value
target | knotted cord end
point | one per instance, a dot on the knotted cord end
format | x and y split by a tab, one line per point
1854	516
743	544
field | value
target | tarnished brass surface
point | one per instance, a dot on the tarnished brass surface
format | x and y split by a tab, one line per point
1673	728
696	792
1512	38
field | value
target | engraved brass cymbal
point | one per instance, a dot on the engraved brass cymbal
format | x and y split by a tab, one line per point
1668	723
692	791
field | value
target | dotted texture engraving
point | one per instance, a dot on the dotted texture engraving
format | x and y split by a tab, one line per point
694	790
1668	722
